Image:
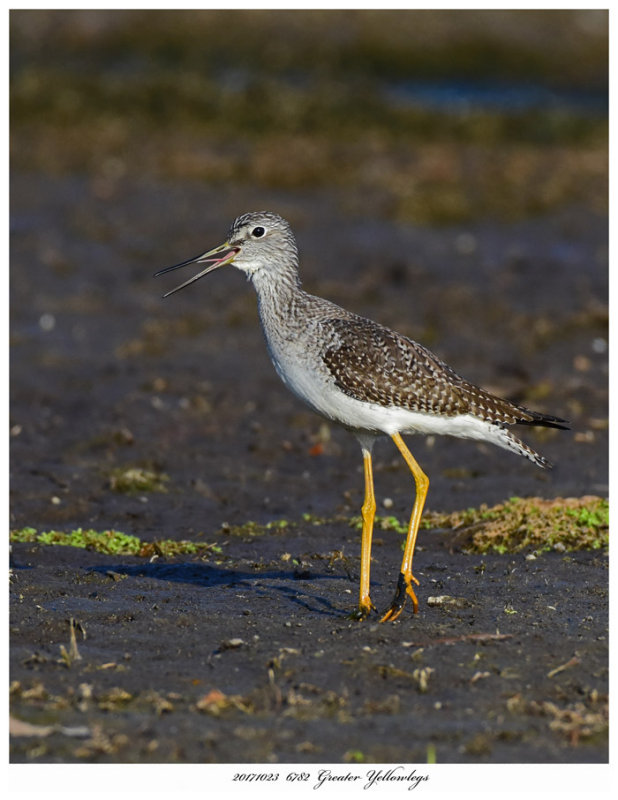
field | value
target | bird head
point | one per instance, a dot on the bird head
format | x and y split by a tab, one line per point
258	243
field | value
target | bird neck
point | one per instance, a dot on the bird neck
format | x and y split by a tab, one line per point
278	292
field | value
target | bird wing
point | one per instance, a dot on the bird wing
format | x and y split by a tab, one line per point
374	364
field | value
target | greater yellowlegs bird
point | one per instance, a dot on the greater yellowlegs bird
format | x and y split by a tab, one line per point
361	375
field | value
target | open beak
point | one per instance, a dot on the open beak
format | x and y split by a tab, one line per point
219	257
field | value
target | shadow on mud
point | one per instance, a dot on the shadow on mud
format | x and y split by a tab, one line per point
204	575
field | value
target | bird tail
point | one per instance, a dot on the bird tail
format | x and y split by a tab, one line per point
528	417
511	442
546	420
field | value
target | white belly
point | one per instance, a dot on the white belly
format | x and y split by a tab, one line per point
320	393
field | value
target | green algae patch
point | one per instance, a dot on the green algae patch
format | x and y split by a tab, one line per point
113	542
532	524
252	530
519	524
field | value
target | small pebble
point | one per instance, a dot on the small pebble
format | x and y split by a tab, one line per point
465	244
447	600
231	644
47	322
599	345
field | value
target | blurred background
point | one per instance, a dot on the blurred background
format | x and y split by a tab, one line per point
429	117
445	172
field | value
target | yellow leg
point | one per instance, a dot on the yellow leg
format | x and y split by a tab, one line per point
404	584
368	512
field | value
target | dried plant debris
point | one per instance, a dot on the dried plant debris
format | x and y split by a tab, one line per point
578	721
20	728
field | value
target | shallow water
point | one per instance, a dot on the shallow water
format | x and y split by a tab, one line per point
457	97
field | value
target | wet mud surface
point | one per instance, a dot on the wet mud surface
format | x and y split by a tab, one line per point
248	654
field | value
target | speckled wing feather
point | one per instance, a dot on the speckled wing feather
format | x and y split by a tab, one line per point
374	364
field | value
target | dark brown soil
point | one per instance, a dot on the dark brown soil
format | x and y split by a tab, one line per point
249	655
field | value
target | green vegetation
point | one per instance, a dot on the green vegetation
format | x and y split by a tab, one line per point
533	524
114	542
355	757
530	524
251	530
389	523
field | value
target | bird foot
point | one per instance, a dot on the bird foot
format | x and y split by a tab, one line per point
404	588
365	607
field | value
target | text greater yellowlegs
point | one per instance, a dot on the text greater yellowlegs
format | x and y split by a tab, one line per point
361	375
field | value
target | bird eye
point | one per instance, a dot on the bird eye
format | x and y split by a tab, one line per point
257	232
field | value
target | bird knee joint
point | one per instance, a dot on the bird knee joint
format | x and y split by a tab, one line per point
368	509
422	481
